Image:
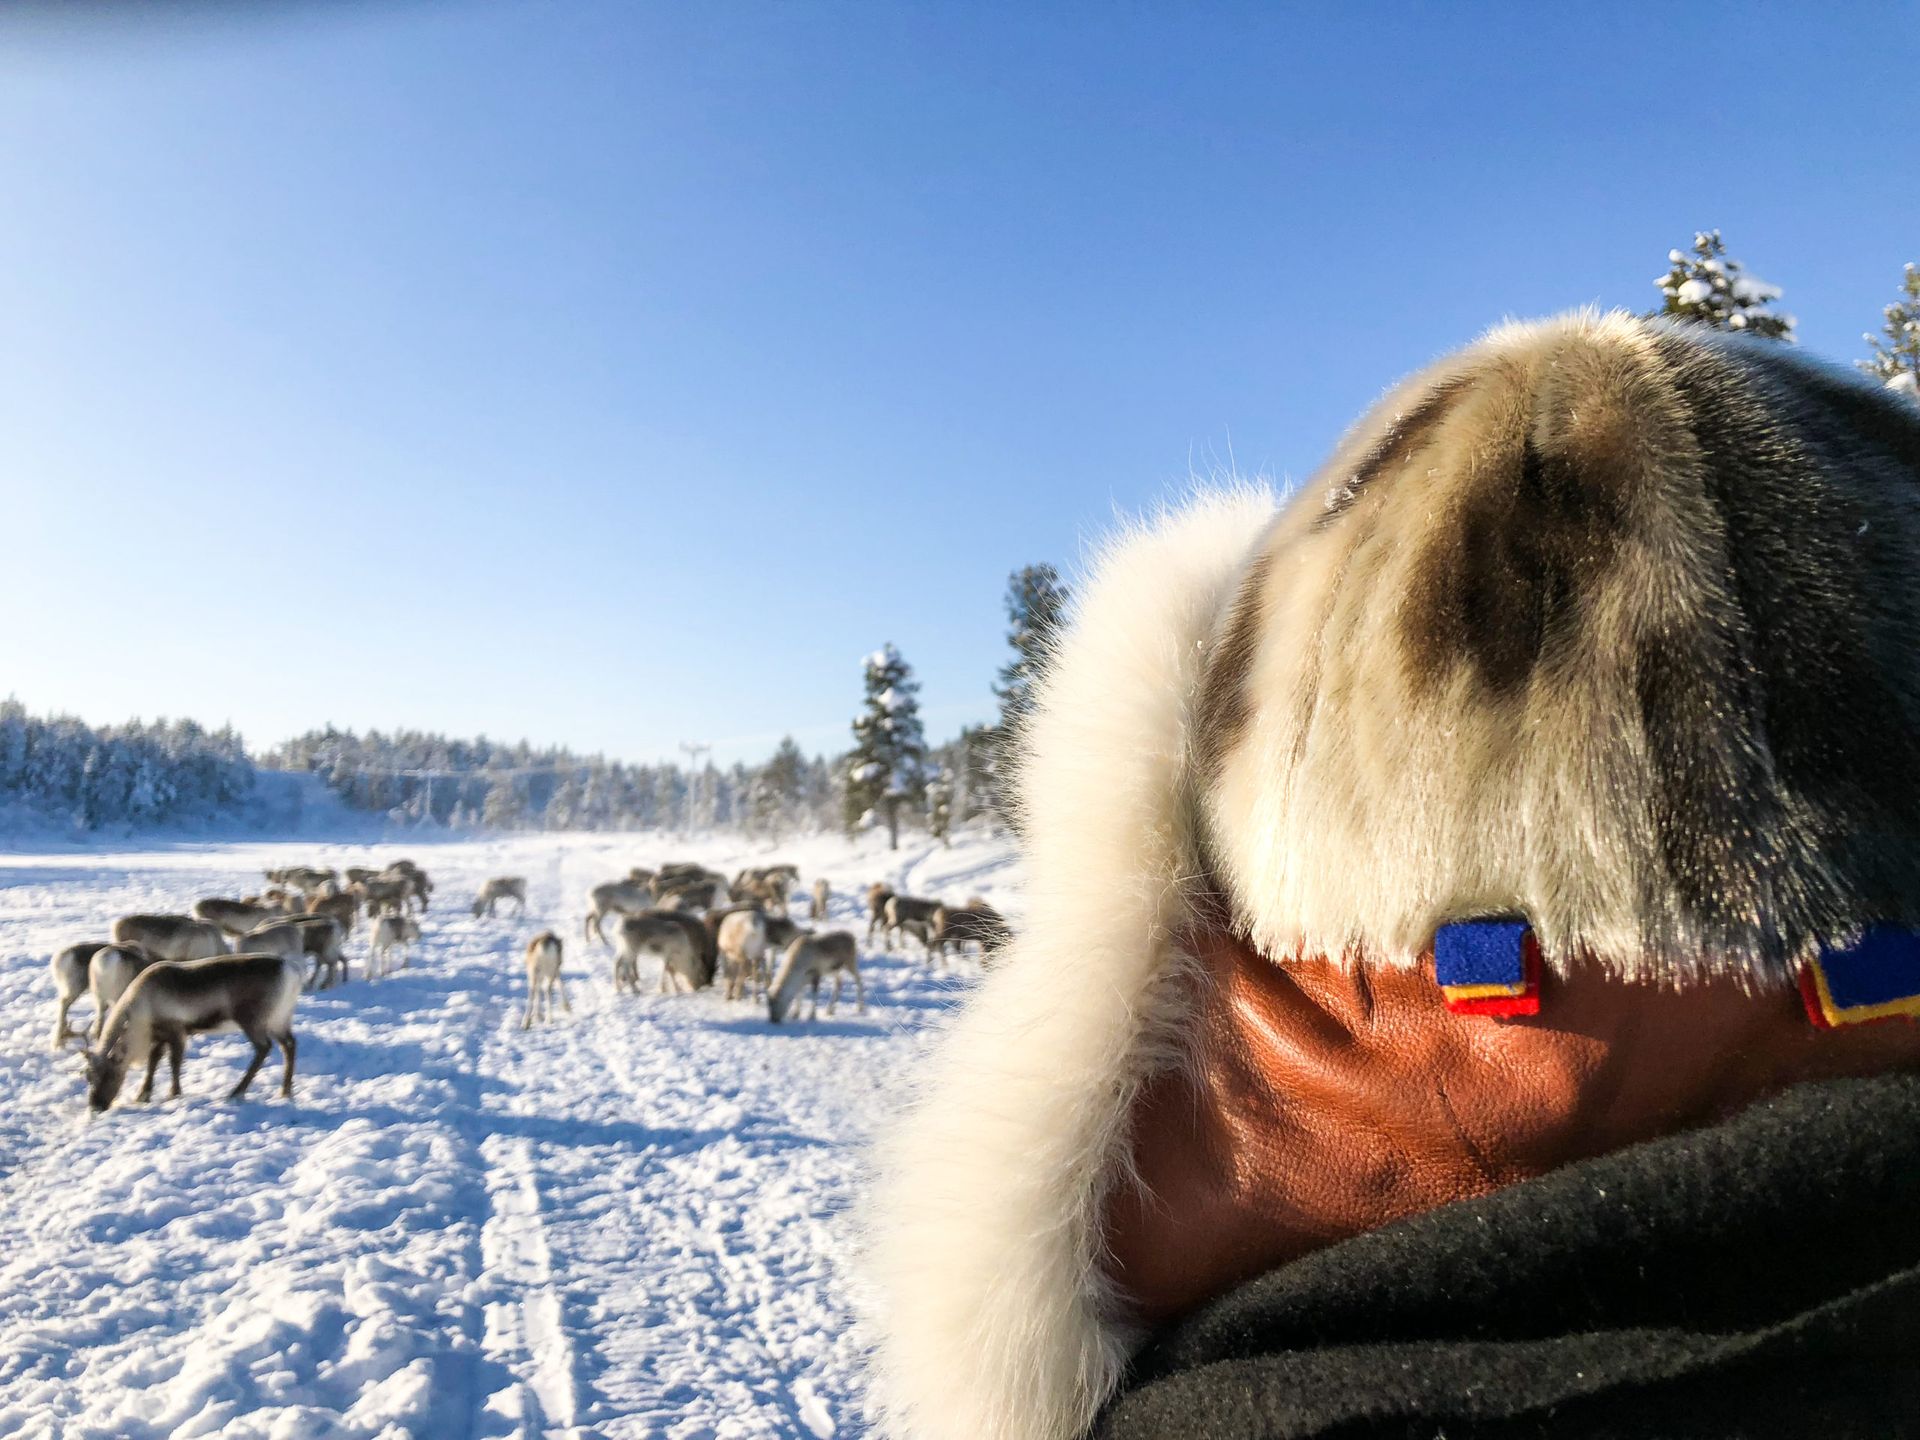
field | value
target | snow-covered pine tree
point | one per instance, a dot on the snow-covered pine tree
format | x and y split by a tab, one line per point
1707	287
504	807
1896	350
887	767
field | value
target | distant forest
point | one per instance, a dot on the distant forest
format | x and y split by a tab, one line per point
60	771
169	772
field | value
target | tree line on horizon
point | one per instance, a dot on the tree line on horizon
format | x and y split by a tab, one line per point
59	770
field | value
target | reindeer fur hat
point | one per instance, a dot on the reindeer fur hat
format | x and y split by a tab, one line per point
1604	622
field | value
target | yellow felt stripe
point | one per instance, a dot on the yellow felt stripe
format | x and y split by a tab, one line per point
1904	1005
1482	992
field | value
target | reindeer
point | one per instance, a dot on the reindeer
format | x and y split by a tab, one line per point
662	935
301	877
822	893
878	894
641	876
501	887
976	922
72	970
808	960
742	939
543	977
237	917
675	871
696	895
767	888
170	1000
910	916
384	894
343	908
112	971
704	888
616	897
171	937
418	888
390	933
299	937
360	874
701	935
782	931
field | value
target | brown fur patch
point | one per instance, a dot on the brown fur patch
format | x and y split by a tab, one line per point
1222	710
1393	449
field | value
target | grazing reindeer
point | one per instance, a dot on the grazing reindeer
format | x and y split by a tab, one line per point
663	935
878	895
170	1000
910	916
976	922
640	875
384	894
822	892
72	970
767	888
237	917
391	933
419	889
359	875
112	971
171	937
301	877
501	887
808	961
616	897
543	977
701	935
742	939
299	937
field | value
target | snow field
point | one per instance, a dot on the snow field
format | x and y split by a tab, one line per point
630	1222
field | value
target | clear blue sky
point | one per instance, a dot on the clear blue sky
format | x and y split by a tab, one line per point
616	373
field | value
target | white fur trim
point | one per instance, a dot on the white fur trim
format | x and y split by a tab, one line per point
991	1320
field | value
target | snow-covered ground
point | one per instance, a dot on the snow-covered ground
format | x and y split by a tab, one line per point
629	1223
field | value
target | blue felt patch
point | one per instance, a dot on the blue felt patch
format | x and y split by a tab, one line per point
1883	967
1480	952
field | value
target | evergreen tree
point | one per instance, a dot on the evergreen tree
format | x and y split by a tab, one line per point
1036	605
887	768
1707	287
1896	357
775	790
503	809
1036	608
940	808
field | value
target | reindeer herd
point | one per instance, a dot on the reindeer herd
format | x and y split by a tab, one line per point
242	964
703	929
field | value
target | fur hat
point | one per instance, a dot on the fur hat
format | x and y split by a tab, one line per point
1604	622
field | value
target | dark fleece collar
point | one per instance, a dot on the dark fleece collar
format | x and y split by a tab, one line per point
1760	1277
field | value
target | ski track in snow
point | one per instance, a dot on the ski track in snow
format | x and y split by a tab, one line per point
628	1223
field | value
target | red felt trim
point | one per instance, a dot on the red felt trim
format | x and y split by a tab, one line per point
1810	997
